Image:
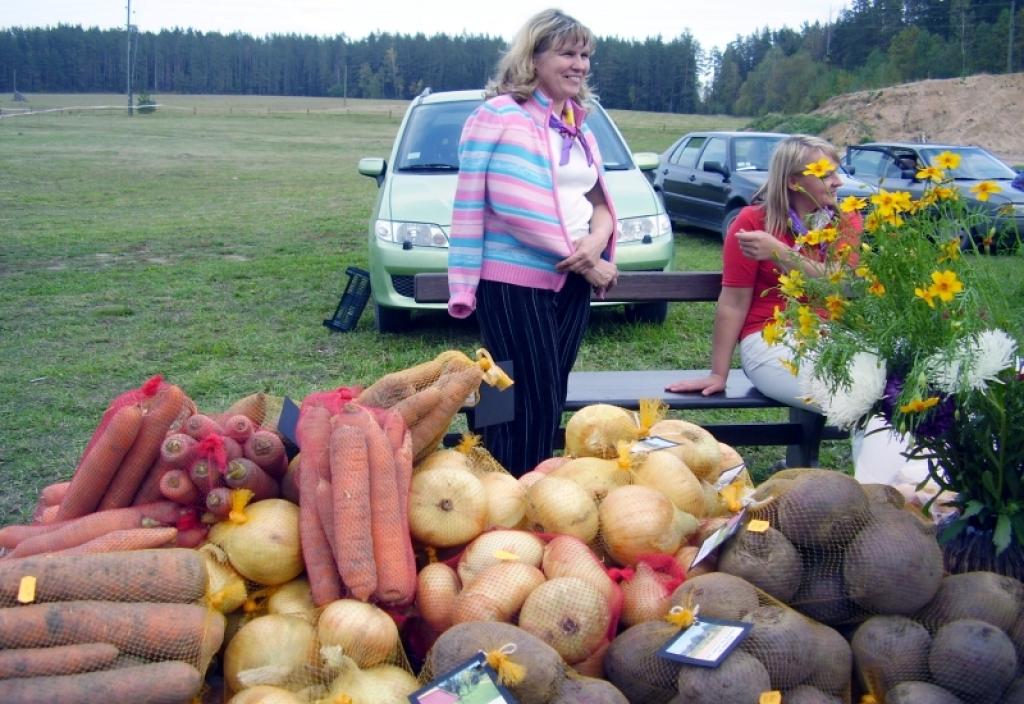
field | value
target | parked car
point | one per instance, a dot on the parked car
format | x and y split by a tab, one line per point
411	218
705	178
893	166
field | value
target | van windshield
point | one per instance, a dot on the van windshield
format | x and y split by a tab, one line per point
430	143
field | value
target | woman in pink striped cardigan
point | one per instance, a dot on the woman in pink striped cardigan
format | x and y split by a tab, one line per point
533	227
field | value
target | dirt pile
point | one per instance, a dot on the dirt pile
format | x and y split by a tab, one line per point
984	110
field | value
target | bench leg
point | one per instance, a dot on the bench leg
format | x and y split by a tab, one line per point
805	454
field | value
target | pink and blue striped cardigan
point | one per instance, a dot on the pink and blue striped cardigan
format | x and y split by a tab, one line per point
506	221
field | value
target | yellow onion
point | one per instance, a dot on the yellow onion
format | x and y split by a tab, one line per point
595	430
729	457
644	596
444	457
637	520
264	546
506	500
697	447
447	507
383	684
551	464
530	478
598	476
713	505
497	593
668	474
275	649
566	556
555	505
266	694
364	632
684	556
293	598
568	614
497	546
437	585
225	588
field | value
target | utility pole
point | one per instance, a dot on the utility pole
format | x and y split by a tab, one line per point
128	57
1009	42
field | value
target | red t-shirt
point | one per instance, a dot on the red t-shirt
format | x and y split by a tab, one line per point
738	271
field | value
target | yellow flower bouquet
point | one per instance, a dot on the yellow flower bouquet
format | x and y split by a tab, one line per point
909	325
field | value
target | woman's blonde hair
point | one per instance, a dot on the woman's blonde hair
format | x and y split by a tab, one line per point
789	159
516	75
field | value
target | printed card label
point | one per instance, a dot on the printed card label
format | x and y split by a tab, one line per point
472	682
717	538
705	643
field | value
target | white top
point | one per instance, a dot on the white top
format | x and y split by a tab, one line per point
574	181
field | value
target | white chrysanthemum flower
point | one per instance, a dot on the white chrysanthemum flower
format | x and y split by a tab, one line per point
976	365
848	404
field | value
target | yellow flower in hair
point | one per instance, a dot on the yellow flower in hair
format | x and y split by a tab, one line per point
947	160
931	173
850	204
984	189
820	168
945	285
919	405
792	284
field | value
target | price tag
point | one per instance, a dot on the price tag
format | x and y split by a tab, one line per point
472	681
756	526
27	589
717	538
706	642
773	697
654	442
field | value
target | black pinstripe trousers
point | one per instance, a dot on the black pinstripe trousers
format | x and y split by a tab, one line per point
541	332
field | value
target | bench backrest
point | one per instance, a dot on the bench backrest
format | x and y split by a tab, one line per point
632	286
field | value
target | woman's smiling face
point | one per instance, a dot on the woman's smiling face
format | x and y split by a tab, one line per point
562	69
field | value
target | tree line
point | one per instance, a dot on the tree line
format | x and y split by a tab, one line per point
870	44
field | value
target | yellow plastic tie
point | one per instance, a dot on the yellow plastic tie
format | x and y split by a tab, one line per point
493	374
682	617
240	498
234	591
468	443
868	699
625	458
772	697
505	555
509	673
342	699
652	410
731	496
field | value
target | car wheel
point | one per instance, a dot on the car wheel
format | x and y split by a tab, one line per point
654	313
391	319
729	217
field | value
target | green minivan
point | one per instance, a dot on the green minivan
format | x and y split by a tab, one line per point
411	218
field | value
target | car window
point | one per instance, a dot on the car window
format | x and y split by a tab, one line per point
974	164
867	162
686	154
754	153
431	138
714	151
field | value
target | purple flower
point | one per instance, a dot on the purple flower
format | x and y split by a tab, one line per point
939	421
893	388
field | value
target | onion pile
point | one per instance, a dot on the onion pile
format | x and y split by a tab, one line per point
264	548
270	650
636	520
596	430
556	505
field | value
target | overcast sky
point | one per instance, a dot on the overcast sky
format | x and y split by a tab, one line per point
712	23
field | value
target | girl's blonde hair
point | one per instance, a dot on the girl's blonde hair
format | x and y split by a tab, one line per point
515	74
789	159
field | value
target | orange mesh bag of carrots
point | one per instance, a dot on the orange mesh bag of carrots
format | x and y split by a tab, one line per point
783	652
104	627
429	395
834	549
965	645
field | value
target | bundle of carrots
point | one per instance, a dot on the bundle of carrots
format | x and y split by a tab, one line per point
150	470
105	627
428	395
355	469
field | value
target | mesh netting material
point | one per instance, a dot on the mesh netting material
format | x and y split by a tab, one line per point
965	645
95	622
784	651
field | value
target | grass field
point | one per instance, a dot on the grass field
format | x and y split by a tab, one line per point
206	242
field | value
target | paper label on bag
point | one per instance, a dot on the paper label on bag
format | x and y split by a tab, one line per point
706	642
27	589
472	681
756	526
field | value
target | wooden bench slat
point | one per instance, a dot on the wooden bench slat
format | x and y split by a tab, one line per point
632	287
626	388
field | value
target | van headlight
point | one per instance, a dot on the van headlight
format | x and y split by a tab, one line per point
650	226
417	234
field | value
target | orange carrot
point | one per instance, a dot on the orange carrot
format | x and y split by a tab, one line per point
204	475
168	682
170	574
200	425
243	473
218	502
58	660
325	510
238	427
176	486
350	481
414	408
149	630
100	463
321	569
454	388
127	539
290	483
155	423
13	534
232	448
48	515
191	537
396	431
53	494
178	450
150	489
266	449
79	530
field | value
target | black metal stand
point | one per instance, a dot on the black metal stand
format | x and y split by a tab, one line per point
353	301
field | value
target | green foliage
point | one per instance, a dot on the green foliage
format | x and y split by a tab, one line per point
144	103
796	124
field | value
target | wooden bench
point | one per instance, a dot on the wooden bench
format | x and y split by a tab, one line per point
802	434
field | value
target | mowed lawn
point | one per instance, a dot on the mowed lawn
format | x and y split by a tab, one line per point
207	242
